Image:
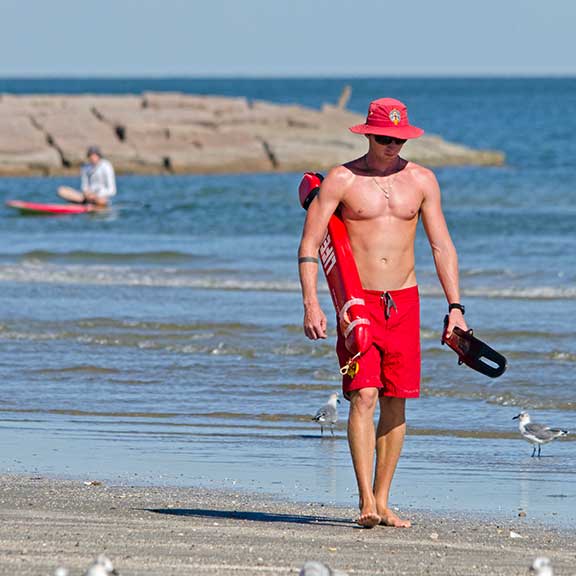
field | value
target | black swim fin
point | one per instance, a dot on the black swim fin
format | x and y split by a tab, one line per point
474	353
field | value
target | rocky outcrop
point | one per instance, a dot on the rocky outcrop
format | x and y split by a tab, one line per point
24	148
174	132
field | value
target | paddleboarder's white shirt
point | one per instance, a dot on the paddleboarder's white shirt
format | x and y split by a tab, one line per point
99	179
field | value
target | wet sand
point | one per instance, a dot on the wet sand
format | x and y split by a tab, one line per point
47	523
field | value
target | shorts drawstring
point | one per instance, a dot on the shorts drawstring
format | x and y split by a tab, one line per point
388	303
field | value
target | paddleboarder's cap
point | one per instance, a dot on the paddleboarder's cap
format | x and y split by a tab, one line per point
388	117
93	150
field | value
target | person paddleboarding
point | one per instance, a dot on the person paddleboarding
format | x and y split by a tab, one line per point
98	181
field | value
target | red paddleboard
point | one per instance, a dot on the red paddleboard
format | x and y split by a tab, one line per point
39	208
341	272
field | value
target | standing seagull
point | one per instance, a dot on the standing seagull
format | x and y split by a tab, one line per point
541	567
537	434
102	566
328	413
313	568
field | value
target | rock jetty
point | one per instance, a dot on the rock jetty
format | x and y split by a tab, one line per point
183	133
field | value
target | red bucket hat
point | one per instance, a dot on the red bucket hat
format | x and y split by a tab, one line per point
388	117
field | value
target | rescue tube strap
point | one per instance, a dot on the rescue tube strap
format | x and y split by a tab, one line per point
353	325
347	304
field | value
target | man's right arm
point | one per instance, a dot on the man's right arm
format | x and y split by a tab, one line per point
317	218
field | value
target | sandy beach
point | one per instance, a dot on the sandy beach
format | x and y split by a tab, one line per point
48	523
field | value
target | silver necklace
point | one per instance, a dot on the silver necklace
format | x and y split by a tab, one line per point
387	188
390	178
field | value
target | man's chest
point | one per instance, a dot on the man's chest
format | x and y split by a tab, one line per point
378	198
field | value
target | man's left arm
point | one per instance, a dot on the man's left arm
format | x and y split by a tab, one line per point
109	187
443	250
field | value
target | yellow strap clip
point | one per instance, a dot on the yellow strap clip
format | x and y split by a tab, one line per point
351	367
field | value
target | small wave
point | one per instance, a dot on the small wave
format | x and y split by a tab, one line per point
39	272
555	355
83	368
531	293
427	334
524	401
320	350
487	272
525	334
140	341
562	356
215	327
228	424
161	256
30	272
509	293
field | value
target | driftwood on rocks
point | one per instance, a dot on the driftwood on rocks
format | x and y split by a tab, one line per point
182	133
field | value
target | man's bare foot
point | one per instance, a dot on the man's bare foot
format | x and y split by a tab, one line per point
368	516
388	518
368	520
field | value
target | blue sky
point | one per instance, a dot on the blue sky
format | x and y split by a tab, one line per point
287	38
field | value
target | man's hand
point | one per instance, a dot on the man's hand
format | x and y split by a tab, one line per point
314	322
455	318
95	199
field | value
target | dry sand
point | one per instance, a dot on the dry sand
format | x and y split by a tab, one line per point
172	531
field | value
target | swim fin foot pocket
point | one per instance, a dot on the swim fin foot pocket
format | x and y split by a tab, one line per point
474	353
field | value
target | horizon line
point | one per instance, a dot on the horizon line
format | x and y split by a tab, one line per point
443	76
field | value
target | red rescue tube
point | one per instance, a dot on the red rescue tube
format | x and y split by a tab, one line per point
341	272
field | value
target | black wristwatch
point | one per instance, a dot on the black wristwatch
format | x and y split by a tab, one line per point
456	306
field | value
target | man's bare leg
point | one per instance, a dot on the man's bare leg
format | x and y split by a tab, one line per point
70	195
361	439
389	440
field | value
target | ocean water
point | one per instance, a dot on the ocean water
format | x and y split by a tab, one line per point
161	342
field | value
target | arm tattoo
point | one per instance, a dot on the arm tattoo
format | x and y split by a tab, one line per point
310	259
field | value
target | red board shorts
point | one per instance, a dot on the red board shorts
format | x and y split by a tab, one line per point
392	363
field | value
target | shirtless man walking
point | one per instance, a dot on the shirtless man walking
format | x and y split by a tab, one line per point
381	197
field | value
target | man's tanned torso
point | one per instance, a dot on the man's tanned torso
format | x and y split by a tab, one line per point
382	229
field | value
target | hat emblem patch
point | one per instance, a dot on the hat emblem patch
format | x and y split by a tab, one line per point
395	116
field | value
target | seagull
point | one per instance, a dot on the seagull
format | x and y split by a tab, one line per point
537	434
102	566
541	567
328	413
313	568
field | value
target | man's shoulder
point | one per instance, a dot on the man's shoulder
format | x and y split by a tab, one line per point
340	177
346	174
422	176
